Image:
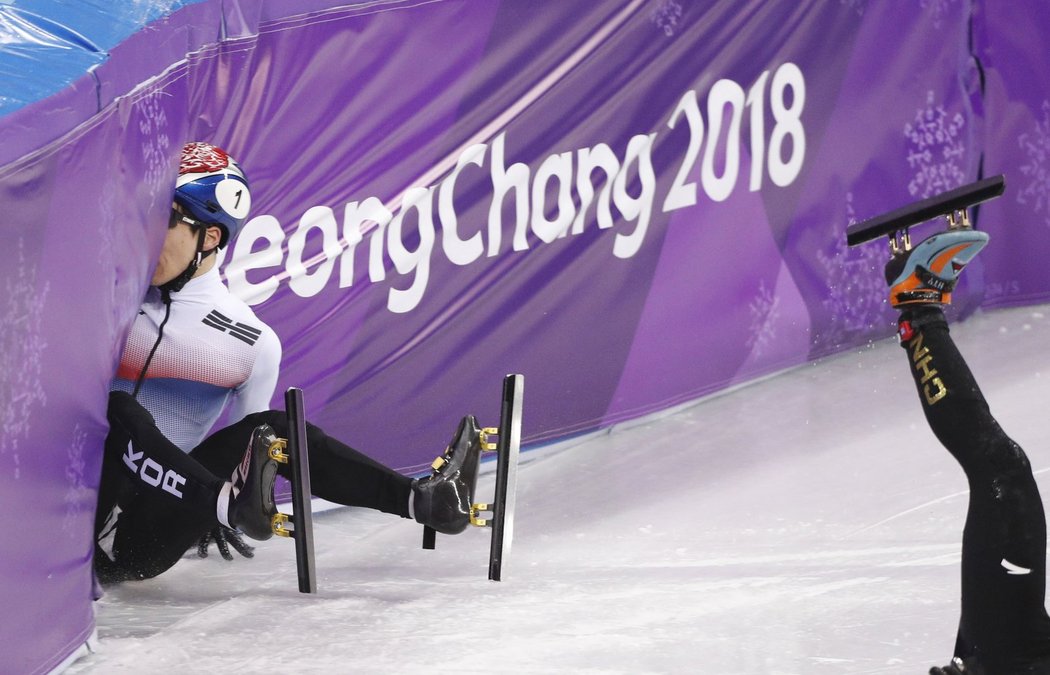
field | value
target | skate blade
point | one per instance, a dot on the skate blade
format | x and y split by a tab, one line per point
952	204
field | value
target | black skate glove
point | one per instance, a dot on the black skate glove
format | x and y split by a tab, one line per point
958	667
224	537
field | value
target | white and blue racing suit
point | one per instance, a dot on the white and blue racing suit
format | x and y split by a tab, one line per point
162	469
214	353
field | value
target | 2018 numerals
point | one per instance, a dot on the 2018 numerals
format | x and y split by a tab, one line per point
726	103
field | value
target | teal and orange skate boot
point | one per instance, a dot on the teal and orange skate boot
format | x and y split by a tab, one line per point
927	274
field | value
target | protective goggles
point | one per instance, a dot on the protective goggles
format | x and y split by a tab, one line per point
177	217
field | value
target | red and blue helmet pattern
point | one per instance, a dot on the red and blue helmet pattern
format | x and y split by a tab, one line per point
212	188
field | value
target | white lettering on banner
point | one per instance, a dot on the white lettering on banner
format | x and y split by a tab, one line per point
459	251
245	259
788	123
304	283
601	157
549	204
420	201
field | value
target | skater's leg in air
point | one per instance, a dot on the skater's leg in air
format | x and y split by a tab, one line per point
1003	622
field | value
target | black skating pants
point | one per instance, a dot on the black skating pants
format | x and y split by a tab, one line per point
167	498
1004	621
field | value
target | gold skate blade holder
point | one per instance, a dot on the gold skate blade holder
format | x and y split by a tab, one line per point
900	242
486	444
277	451
952	203
958	220
277	524
479	510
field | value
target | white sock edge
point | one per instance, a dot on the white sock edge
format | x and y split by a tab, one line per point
222	504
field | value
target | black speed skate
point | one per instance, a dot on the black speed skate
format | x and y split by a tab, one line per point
252	507
442	501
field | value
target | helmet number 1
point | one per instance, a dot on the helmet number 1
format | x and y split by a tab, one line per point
233	197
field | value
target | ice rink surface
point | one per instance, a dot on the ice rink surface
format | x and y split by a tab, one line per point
805	524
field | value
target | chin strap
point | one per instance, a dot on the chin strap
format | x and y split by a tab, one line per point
176	284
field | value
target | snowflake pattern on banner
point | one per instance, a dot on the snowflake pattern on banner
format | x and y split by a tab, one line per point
107	216
936	149
666	16
936	9
765	309
156	144
1035	194
856	300
22	348
76	484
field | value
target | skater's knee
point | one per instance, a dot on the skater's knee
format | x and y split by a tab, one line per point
980	444
1003	465
1006	457
254	419
274	418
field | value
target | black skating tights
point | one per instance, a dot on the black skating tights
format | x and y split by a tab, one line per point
167	497
1003	621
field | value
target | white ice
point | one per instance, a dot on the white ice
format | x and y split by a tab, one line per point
805	524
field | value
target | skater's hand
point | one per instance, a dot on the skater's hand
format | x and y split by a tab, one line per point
224	537
958	667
